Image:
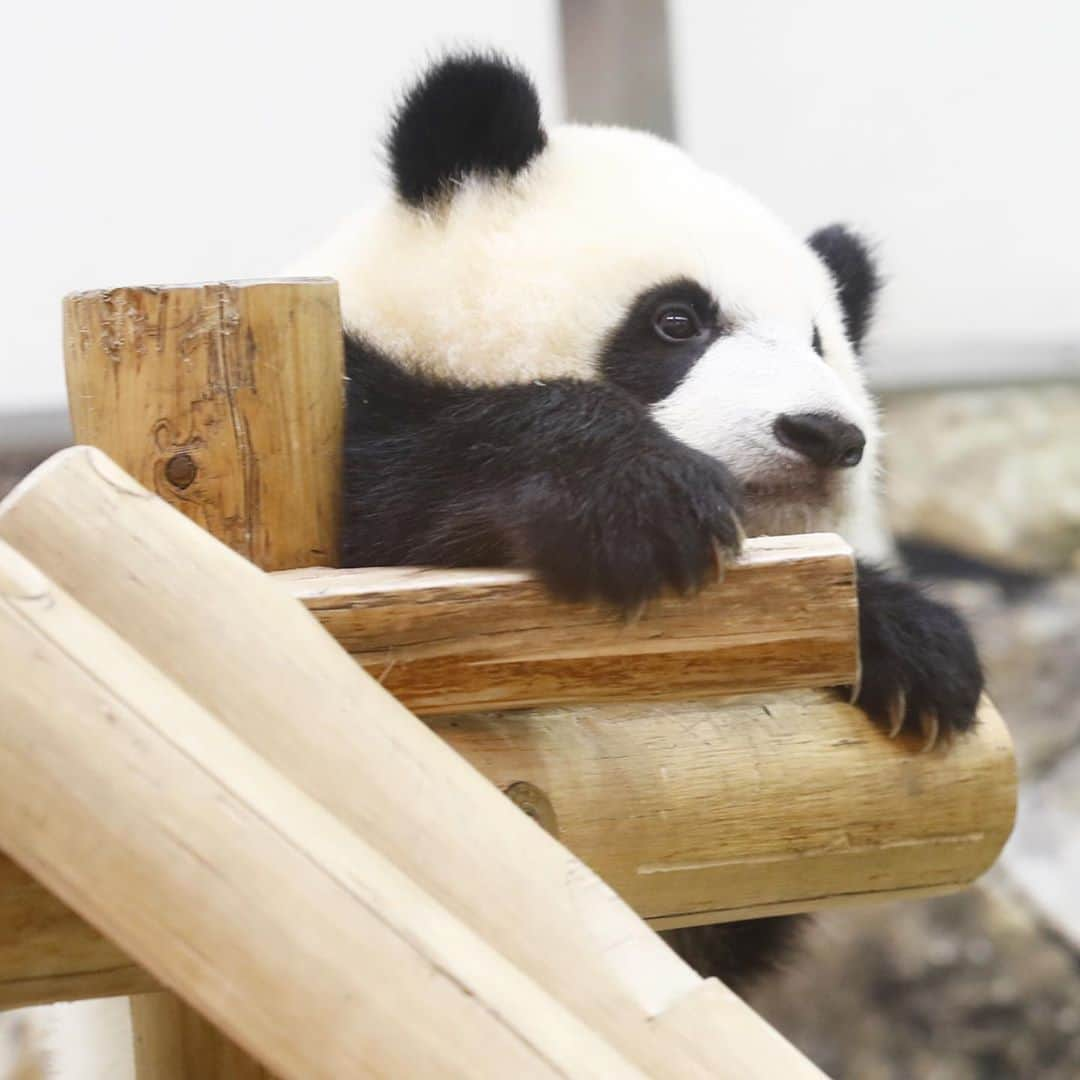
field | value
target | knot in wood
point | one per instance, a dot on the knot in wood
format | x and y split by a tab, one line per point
180	471
535	803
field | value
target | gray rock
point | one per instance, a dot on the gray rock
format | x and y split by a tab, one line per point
966	987
993	472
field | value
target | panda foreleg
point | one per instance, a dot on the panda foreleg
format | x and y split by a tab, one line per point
573	480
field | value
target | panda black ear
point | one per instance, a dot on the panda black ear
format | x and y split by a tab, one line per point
847	255
469	115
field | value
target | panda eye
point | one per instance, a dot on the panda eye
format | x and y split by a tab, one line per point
677	323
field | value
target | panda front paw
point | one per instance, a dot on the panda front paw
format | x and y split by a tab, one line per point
920	669
624	531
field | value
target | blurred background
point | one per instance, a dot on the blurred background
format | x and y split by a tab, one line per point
217	139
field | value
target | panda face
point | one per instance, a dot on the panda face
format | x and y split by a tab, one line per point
753	396
508	253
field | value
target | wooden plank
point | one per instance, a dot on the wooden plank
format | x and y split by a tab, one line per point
255	904
450	641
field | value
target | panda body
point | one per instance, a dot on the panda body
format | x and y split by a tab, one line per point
577	351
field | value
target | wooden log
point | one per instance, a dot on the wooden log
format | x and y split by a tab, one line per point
254	903
807	801
226	399
451	641
703	812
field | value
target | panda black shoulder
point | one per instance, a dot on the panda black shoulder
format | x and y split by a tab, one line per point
471	114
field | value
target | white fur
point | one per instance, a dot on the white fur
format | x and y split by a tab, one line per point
511	281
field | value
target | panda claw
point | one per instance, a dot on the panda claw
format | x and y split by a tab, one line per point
931	726
720	559
897	712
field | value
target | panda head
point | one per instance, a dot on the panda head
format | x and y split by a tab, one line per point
507	253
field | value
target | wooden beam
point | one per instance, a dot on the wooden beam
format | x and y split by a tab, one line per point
451	641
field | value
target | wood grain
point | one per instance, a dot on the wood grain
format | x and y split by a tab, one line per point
226	399
448	641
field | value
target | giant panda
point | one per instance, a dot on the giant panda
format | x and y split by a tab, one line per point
572	349
576	351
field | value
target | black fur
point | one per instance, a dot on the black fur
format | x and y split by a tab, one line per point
857	280
468	115
738	953
637	359
574	480
917	653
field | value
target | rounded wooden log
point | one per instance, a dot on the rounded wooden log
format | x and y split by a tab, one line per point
226	399
710	811
236	889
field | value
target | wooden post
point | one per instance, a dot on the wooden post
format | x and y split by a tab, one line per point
227	399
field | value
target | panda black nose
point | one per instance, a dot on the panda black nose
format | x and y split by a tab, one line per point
824	439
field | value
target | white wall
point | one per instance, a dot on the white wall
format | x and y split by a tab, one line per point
947	129
206	139
217	138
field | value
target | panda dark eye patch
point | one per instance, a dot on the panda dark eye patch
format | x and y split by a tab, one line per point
664	332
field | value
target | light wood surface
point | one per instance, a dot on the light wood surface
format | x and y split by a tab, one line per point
253	902
742	1045
226	399
451	641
